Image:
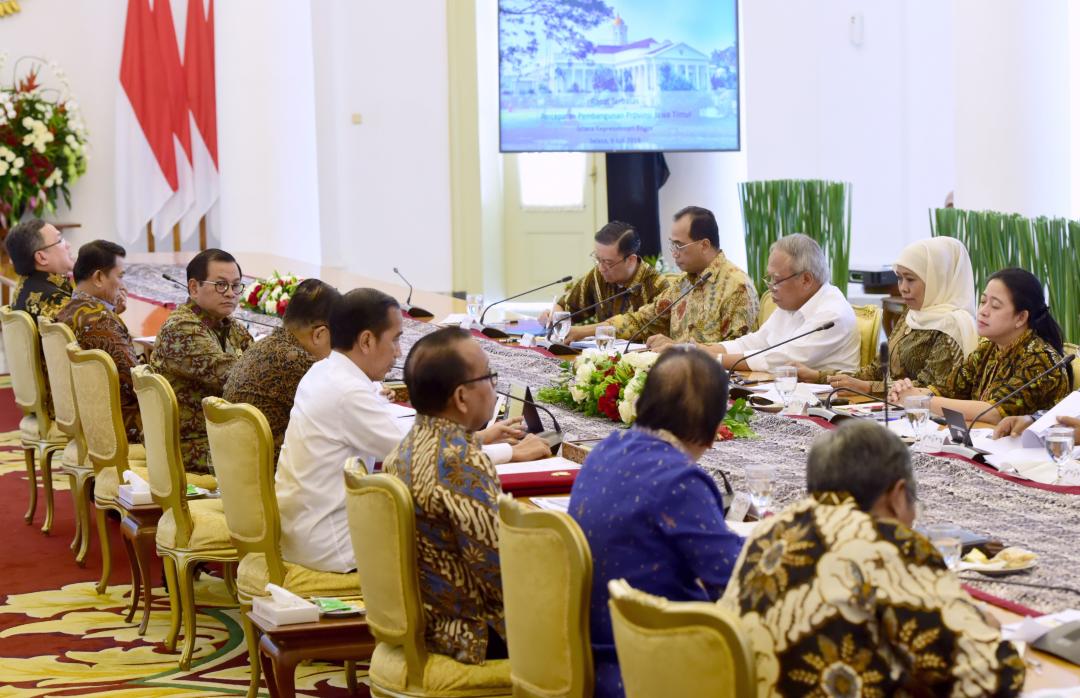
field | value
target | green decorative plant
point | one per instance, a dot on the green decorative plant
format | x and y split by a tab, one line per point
820	209
1047	247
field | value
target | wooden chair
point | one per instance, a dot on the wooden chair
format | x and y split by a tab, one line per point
1075	365
868	323
188	532
242	451
55	337
765	308
669	648
547	581
39	435
383	526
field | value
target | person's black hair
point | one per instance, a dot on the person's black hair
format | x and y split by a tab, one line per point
862	458
1026	292
621	233
358	310
435	368
311	304
685	393
702	224
97	255
22	242
199	265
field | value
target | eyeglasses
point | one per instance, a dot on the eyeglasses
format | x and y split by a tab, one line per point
493	378
773	284
59	239
223	286
676	248
606	263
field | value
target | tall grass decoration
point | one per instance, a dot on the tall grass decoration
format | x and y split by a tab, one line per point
1047	247
820	209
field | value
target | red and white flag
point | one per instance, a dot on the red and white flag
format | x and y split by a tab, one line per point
202	101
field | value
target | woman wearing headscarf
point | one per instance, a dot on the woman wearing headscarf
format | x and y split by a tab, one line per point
936	331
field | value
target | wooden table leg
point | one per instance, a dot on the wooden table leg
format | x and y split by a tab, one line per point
279	667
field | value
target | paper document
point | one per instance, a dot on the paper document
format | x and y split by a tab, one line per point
553	503
983	440
454	319
400	411
743	528
1030	463
537	466
1069	407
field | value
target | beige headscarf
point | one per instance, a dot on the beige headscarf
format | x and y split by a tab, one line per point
949	304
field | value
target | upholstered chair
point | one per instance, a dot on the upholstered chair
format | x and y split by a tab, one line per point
40	437
242	451
686	648
188	531
383	527
765	308
868	324
1075	365
546	580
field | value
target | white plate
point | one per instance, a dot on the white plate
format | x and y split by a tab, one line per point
995	570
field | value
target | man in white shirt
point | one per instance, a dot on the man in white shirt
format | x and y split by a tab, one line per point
798	277
338	413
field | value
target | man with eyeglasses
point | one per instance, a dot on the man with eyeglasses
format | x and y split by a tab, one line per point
455	490
340	413
268	373
42	259
198	346
616	267
724	307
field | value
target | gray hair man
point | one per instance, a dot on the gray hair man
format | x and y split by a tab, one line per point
797	275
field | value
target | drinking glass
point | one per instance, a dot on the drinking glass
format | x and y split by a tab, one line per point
917	411
605	337
759	482
474	305
786	379
560	326
943	536
1059	444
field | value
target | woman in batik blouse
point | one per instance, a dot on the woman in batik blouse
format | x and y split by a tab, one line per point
935	333
1021	339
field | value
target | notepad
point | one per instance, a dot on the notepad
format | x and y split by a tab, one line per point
537	466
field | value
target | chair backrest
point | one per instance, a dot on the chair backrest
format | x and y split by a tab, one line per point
242	451
868	323
55	336
24	363
669	648
1075	365
547	580
97	398
161	438
382	524
765	308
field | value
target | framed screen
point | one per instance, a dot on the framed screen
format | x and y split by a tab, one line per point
621	76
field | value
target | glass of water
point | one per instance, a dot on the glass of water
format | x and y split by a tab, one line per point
474	305
917	411
759	482
943	536
605	337
786	379
1059	443
560	326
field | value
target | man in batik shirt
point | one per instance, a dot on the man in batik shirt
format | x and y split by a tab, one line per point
267	374
723	307
455	489
199	345
42	259
93	314
839	596
616	268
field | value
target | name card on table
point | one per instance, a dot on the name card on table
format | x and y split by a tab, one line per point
553	475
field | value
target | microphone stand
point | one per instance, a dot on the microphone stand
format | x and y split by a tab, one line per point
732	378
495	333
558	348
704	277
553	437
409	309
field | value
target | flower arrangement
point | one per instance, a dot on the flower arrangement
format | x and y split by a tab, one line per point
271	296
43	145
609	385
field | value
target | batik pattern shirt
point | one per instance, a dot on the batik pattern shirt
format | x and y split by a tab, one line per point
96	326
455	492
42	294
835	602
927	357
724	307
591	289
266	376
196	354
992	372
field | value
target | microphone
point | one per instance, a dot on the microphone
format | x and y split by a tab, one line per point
883	359
410	309
554	437
702	279
499	334
254	322
178	282
1063	363
731	371
551	328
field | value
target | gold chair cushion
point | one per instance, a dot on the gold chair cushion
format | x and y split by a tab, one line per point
28	431
443	676
208	528
252	575
107	481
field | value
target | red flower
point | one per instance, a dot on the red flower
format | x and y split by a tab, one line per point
281	306
253	297
724	433
608	403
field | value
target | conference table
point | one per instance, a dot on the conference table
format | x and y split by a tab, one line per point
1041	518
